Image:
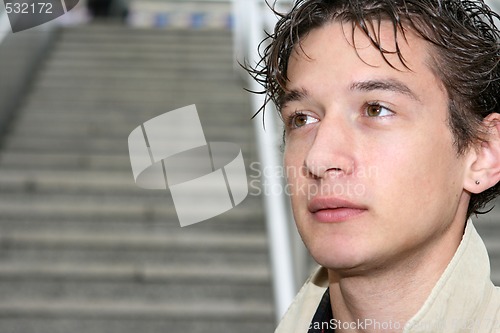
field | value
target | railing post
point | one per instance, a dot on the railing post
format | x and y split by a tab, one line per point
277	217
4	25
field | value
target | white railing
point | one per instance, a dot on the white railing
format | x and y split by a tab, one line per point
4	24
495	5
251	19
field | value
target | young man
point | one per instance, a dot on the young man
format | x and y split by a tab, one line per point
392	141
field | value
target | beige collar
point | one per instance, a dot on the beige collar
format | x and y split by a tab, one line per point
463	299
459	299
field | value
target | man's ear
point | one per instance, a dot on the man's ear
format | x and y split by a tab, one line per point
484	159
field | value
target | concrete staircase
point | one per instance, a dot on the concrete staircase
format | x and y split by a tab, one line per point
82	249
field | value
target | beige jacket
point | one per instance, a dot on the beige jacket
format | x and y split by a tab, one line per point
463	300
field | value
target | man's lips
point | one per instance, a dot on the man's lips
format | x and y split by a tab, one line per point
329	209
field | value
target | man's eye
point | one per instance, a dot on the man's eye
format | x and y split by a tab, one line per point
377	110
300	119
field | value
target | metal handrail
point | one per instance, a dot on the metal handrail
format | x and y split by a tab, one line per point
251	19
495	5
4	25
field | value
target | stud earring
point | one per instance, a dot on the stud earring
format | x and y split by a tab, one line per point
478	182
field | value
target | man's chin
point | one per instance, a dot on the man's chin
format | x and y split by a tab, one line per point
341	262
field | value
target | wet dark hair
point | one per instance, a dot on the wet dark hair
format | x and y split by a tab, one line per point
465	52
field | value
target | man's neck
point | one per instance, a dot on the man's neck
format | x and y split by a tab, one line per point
384	299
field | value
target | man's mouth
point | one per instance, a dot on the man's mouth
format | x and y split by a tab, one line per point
332	209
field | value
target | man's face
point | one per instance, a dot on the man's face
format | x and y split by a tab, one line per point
374	175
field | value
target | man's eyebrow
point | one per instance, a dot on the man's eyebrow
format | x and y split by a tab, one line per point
388	85
293	96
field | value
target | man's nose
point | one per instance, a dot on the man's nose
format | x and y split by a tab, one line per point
331	153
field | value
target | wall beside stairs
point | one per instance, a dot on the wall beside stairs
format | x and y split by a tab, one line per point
20	56
180	14
82	249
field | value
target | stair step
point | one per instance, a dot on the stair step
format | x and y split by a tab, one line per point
109	224
50	180
118	247
131	101
131	114
43	144
68	145
100	127
222	63
148	207
132	324
107	95
140	272
159	45
173	290
121	255
160	106
214	310
119	184
162	80
135	57
104	31
163	77
123	240
64	161
83	205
